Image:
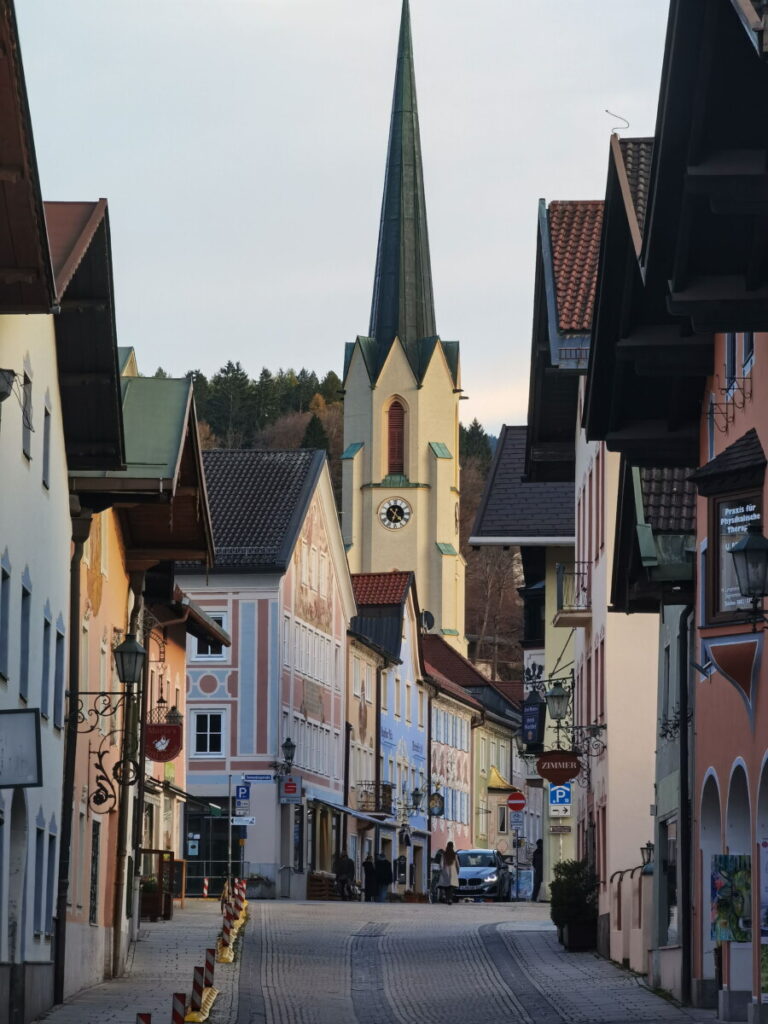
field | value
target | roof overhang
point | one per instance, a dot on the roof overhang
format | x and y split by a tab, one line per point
26	275
529	542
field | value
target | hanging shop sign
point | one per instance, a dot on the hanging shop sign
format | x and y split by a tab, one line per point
534	717
290	789
558	766
437	805
164	741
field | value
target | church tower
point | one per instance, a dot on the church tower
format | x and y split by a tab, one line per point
402	387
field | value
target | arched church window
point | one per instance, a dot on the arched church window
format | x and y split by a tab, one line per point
396	438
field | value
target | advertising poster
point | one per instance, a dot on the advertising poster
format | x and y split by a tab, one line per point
731	896
525	884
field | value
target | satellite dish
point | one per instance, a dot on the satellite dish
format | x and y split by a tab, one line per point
427	621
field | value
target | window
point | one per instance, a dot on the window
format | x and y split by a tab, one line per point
747	351
26	625
355	676
45	689
26	418
396	439
730	517
58	681
384	691
398	708
730	359
51	884
209	732
286	640
46	447
5	620
422	706
209	648
408	698
501	824
369	683
39	879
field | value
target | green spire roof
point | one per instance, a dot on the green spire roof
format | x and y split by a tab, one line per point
403	304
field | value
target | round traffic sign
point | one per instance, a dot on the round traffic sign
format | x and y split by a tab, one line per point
516	801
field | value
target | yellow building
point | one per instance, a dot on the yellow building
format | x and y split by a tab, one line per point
402	389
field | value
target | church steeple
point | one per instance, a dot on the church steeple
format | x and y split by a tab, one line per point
403	304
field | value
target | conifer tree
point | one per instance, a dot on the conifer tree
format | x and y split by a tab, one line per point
315	435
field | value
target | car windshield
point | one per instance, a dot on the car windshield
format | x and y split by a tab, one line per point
477	859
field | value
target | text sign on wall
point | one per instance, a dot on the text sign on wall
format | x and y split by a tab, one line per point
21	762
733	518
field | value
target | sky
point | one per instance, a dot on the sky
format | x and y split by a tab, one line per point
241	145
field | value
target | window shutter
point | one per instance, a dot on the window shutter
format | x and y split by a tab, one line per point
396	439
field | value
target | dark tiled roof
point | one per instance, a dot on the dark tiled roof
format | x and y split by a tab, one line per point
511	507
637	155
669	500
450	688
575	229
447	660
377	588
258	502
512	690
740	465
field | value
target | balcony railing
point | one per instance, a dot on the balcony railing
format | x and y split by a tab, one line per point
375	798
574	590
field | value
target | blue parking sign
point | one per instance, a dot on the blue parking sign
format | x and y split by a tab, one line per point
560	796
243	792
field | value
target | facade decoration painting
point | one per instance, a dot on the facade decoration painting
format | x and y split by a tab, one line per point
731	898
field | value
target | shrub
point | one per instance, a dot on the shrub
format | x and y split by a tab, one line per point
573	893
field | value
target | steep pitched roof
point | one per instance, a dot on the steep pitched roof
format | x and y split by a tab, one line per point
71	227
741	465
637	157
574	228
448	662
514	511
403	303
450	688
381	588
258	502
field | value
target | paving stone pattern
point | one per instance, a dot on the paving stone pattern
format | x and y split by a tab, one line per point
363	963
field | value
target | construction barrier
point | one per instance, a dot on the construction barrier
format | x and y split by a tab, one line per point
210	962
197	988
179	1011
205	887
143	1018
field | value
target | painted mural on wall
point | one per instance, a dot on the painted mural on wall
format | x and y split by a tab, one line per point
313	571
731	898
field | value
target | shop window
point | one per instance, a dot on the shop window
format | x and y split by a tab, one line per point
729	518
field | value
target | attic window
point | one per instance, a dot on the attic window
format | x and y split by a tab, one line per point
396	439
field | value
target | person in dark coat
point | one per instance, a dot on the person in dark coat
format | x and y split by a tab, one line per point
369	879
345	875
538	868
384	876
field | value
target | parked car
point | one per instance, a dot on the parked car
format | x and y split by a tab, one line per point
484	875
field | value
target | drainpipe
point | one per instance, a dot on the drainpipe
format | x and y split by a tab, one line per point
685	807
136	585
377	757
81	528
429	784
348	738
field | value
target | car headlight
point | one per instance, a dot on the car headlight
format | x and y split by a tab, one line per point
491	878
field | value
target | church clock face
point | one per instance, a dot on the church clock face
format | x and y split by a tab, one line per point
394	513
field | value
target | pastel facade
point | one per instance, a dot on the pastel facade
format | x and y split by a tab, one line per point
453	717
284	595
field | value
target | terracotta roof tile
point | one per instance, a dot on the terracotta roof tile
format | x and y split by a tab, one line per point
381	587
450	663
638	156
575	228
512	690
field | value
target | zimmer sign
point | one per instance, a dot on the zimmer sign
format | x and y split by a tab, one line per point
558	766
733	518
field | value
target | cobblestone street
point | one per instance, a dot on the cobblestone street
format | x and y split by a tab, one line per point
349	963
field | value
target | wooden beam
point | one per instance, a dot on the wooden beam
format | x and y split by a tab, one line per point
14	275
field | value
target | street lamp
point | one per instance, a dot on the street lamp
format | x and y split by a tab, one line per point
750	560
646	852
557	701
129	660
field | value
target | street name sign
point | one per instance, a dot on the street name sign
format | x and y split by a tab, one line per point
243	821
258	777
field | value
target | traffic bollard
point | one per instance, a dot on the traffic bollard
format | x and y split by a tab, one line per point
179	1011
143	1018
205	887
197	988
210	962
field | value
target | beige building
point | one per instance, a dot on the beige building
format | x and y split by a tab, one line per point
402	388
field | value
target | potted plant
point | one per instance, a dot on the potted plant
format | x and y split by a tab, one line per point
151	898
573	904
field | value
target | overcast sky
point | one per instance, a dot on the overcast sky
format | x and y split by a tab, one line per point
241	145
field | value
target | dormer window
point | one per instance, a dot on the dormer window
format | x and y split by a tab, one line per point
396	439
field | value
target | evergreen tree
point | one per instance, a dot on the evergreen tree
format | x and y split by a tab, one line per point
200	392
474	444
231	403
315	435
330	387
265	405
161	373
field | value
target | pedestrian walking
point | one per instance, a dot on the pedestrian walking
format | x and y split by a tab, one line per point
344	870
449	873
383	871
538	868
369	879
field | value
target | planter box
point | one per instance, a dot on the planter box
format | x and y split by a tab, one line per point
151	904
580	936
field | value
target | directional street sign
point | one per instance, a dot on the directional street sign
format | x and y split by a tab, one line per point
243	821
560	800
258	777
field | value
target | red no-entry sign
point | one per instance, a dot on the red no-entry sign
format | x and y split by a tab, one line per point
516	801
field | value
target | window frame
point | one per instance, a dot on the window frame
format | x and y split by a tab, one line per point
712	582
215	614
195	714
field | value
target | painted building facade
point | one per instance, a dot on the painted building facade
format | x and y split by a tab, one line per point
280	586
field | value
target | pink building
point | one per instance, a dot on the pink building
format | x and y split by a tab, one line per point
280	586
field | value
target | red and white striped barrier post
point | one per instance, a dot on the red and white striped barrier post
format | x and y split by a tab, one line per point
238	902
197	988
143	1018
210	963
179	1011
226	930
205	887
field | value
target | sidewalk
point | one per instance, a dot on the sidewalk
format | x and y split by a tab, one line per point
160	963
